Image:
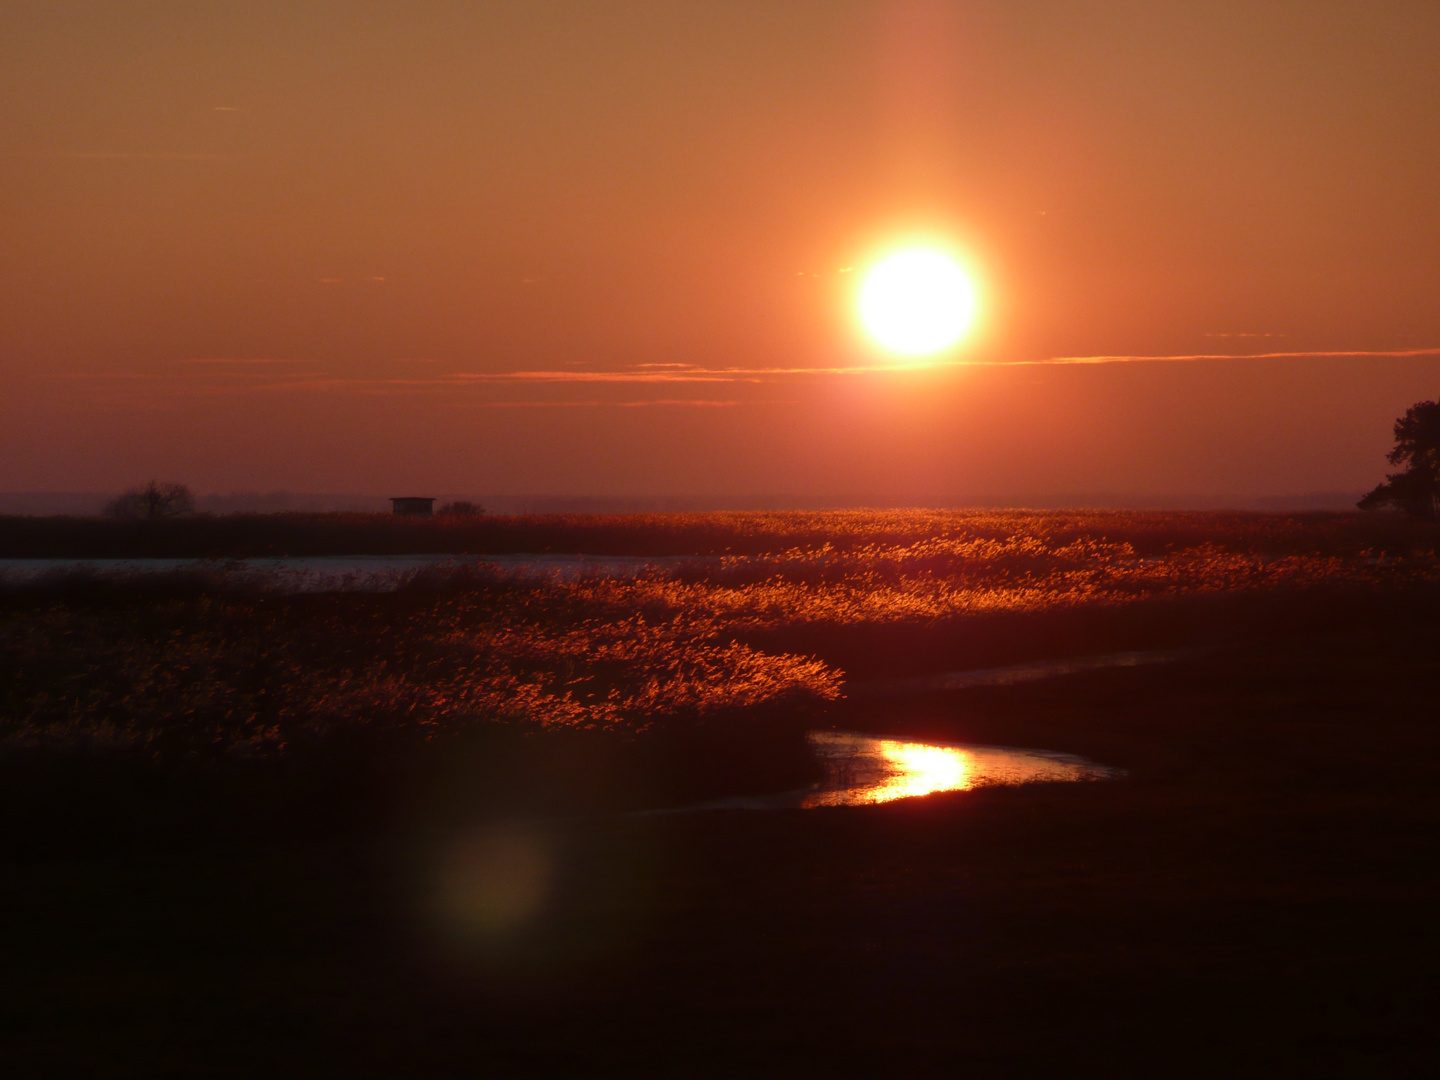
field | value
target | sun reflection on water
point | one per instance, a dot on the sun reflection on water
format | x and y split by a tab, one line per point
920	769
863	769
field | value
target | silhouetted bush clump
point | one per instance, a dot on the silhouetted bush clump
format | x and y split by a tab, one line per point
151	502
460	508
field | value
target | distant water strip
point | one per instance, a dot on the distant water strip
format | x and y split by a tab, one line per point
352	573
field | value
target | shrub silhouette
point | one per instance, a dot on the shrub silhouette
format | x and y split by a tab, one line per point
461	508
1417	447
151	502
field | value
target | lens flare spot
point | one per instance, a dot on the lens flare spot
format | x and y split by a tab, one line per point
493	881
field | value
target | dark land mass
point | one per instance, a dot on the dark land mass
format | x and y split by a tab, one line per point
1257	896
233	536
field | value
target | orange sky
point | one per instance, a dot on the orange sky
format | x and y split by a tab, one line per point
328	247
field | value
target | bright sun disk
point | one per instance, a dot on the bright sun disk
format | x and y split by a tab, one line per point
917	302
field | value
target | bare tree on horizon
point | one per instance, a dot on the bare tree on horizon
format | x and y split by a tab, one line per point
151	502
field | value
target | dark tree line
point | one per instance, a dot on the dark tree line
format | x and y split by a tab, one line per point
1417	448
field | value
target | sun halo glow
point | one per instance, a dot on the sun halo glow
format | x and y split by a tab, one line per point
917	302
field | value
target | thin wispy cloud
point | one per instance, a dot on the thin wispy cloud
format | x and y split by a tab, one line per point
219	377
1184	357
244	360
689	375
101	376
680	403
686	373
118	155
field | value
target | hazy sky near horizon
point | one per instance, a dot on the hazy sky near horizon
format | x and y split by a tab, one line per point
613	248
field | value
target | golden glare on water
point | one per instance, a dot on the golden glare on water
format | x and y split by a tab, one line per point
863	769
917	302
921	769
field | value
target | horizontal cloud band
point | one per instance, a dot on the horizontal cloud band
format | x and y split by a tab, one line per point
219	377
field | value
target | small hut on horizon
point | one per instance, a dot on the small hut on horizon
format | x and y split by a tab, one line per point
413	506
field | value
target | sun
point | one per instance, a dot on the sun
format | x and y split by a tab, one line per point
917	302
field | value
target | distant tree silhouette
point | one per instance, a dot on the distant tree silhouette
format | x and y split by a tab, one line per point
151	502
1417	447
461	508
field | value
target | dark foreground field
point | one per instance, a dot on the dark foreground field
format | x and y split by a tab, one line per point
1257	898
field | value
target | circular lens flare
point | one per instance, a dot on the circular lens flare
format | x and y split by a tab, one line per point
917	302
